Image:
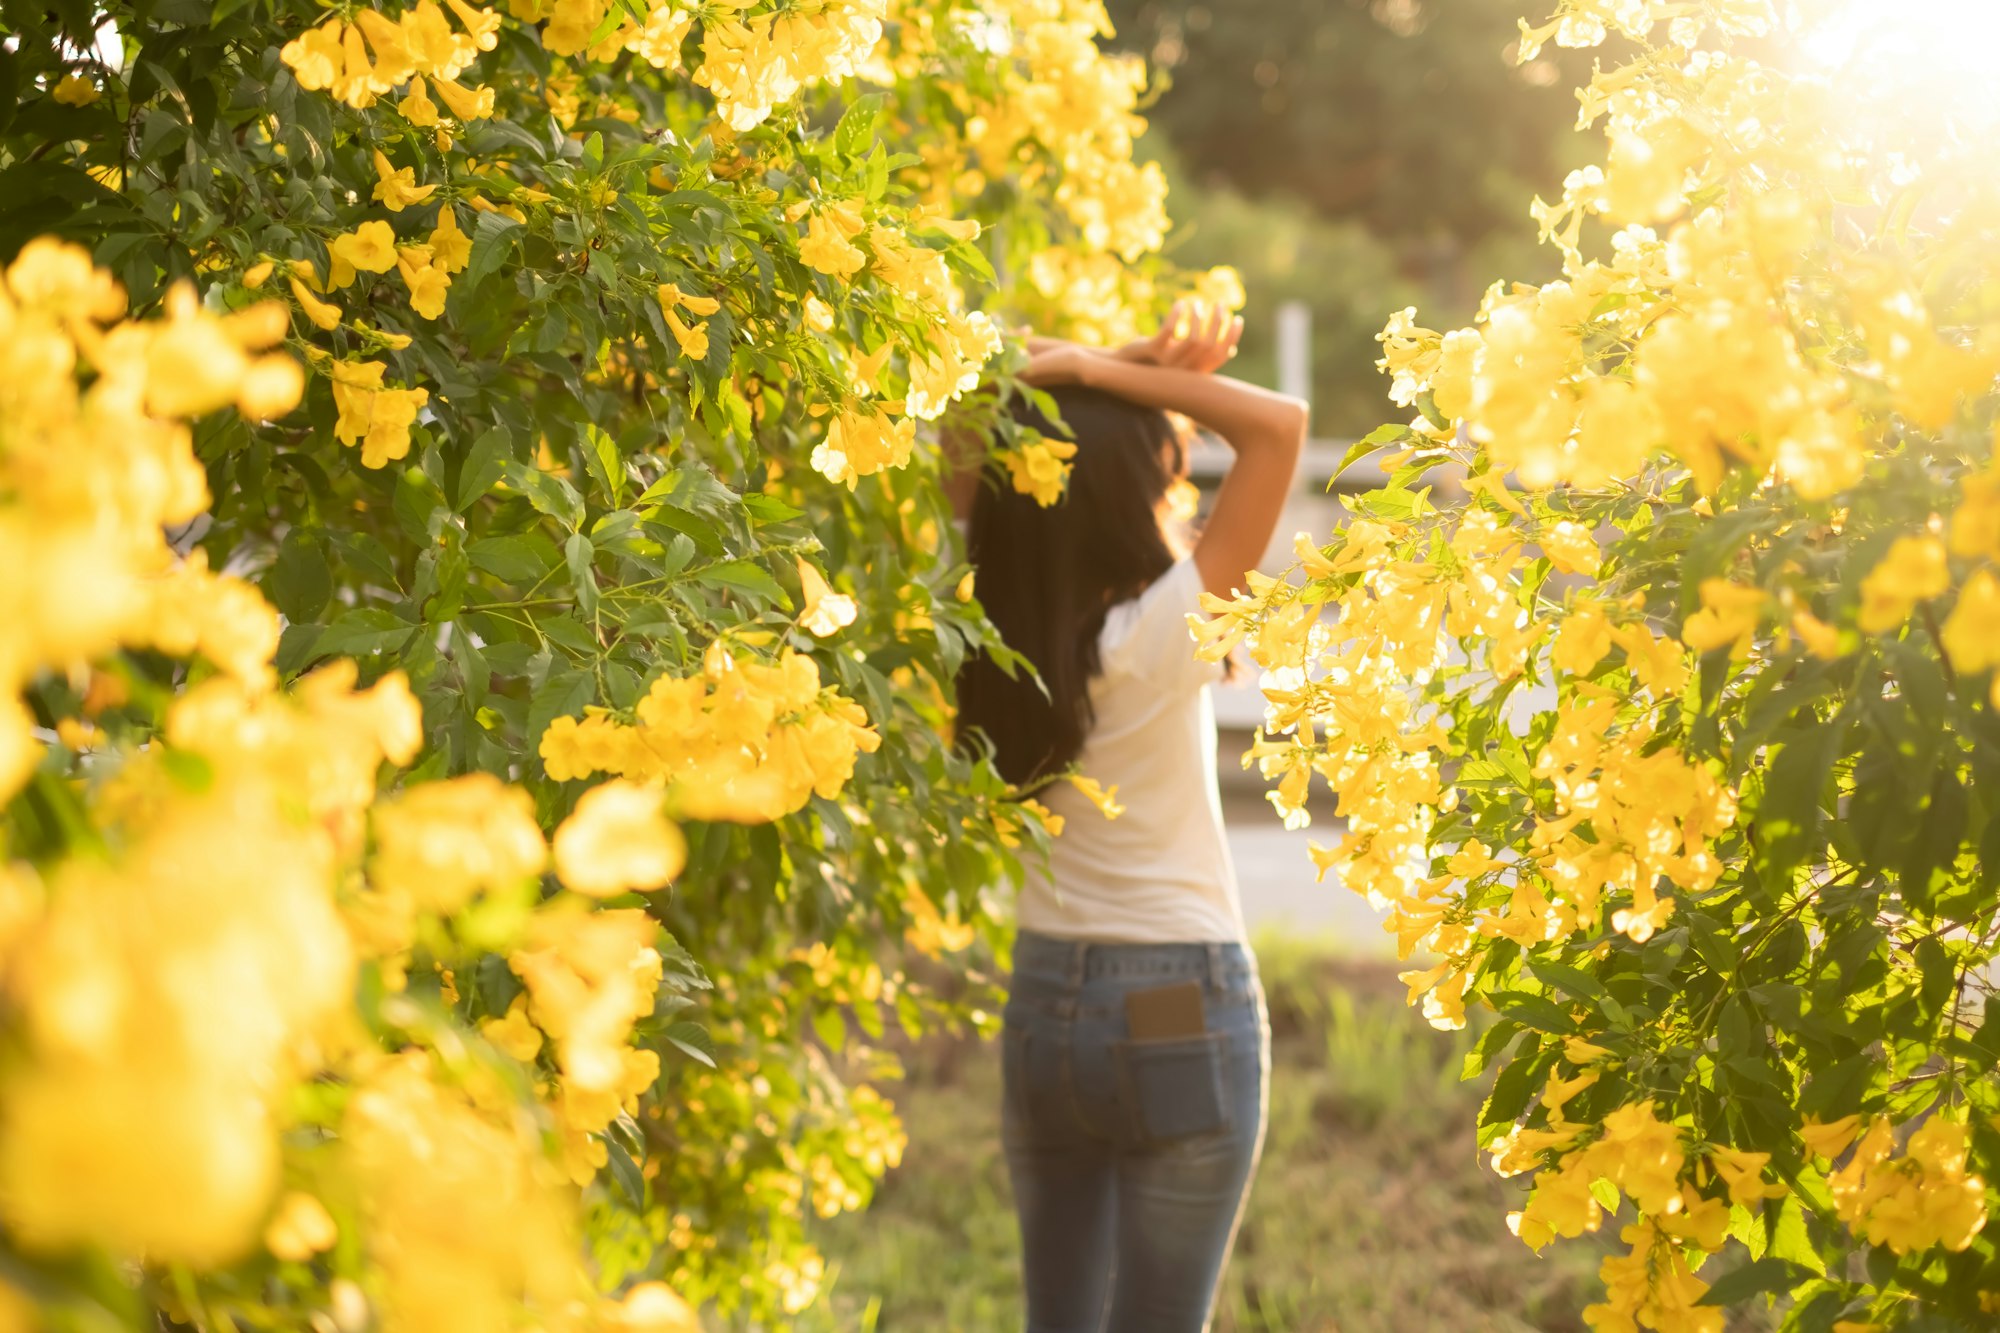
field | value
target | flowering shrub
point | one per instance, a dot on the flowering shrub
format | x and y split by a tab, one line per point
1672	741
432	410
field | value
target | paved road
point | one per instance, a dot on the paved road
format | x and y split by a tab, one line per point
1276	879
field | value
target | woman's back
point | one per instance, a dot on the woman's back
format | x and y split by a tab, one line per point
1160	872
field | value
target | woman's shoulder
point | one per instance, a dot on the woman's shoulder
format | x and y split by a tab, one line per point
1148	635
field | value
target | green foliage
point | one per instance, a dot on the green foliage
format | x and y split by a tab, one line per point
587	498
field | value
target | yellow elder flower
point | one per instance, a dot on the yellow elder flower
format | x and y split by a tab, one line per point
861	442
1821	639
417	107
590	974
650	1307
427	282
1221	286
829	246
932	934
658	43
451	249
377	418
1743	1173
75	90
1562	1205
438	844
1584	639
416	1147
1051	821
1915	570
514	1034
1829	1140
825	612
396	188
315	56
1971	634
671	295
369	248
1458	359
1104	798
301	1228
693	339
1975	526
465	104
1040	468
1640	1154
1570	548
615	840
1728	617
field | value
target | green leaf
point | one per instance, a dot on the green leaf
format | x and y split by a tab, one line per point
1537	1012
692	1040
301	581
563	694
1366	445
365	630
769	508
548	493
856	132
1788	818
493	239
1769	1274
483	465
631	1183
579	553
520	559
607	466
744	577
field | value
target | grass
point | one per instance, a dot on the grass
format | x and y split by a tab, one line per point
1371	1210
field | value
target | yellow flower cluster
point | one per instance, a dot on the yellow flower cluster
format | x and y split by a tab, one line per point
91	475
1040	468
590	976
1652	1285
1922	1199
1077	104
753	64
171	996
862	441
744	740
175	986
362	59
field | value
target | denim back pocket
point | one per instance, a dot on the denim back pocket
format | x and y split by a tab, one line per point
1173	1086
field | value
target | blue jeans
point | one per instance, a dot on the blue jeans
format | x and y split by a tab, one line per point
1130	1160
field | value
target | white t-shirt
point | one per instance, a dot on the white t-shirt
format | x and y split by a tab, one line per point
1160	873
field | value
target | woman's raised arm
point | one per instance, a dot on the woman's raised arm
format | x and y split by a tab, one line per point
1266	430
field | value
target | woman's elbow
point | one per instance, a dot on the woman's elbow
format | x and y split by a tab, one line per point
1290	422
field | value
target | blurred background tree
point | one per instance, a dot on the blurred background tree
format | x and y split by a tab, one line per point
1359	155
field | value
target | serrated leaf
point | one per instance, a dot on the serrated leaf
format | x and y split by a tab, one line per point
483	465
1767	1275
579	552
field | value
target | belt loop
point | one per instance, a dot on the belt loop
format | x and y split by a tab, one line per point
1079	952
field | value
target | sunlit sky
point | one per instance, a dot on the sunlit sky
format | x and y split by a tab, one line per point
1941	48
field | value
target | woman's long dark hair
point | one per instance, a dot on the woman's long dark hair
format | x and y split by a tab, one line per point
1047	576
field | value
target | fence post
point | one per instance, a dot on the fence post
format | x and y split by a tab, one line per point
1295	350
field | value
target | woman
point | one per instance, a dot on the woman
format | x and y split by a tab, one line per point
1135	1041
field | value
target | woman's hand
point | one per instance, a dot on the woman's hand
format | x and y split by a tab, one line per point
1059	363
1196	336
